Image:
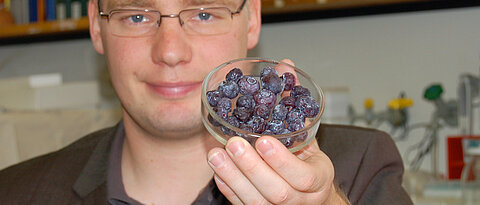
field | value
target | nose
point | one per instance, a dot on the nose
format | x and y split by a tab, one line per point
170	44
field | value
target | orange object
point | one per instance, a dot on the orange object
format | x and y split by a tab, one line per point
41	10
455	157
6	17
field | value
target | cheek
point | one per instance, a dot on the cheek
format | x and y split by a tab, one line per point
220	49
126	55
125	60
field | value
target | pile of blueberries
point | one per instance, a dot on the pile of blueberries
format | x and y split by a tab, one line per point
257	110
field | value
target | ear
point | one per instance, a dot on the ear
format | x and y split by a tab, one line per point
254	22
94	21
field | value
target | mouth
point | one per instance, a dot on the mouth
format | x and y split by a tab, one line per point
175	90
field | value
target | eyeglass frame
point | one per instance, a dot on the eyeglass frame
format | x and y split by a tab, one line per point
107	15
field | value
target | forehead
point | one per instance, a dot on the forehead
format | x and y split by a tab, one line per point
155	3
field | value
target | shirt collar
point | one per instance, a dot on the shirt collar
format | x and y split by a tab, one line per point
116	194
115	189
94	173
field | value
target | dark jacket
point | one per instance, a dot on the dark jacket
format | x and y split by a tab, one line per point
368	168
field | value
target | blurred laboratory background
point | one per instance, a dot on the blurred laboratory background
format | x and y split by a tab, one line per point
408	67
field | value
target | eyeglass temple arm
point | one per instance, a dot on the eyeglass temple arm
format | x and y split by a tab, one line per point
239	8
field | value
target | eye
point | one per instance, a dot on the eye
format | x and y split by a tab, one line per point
204	16
137	18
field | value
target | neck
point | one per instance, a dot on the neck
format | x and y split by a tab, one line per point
156	169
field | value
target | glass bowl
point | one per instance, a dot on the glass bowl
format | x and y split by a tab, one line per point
253	67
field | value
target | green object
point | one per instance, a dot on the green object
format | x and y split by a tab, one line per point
433	92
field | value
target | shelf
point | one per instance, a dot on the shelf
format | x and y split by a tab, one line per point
44	28
297	10
309	5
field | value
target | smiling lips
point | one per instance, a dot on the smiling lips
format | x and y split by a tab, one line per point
174	90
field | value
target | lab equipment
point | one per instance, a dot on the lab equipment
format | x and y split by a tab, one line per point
396	115
445	114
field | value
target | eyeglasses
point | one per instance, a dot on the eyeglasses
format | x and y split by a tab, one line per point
141	23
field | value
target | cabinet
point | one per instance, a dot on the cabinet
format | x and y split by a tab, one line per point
272	11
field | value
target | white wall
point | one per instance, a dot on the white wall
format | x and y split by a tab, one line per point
375	56
381	55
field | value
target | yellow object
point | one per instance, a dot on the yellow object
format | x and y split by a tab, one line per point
368	103
400	103
6	4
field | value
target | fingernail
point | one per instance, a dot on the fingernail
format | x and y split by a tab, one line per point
218	179
265	147
236	147
216	160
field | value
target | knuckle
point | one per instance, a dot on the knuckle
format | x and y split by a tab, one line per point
281	164
250	168
307	183
280	197
259	201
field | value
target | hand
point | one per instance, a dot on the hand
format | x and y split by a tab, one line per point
270	174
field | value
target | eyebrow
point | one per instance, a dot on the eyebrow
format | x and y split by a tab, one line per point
232	3
112	4
129	3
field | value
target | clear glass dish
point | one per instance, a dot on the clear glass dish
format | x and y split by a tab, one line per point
253	67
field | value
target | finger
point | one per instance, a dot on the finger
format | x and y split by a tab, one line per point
226	191
223	166
312	175
258	172
284	67
309	150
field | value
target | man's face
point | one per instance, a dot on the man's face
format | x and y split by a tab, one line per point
158	78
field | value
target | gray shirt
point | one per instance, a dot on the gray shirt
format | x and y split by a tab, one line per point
116	194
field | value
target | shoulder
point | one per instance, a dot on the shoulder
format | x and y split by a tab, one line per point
368	166
352	140
351	147
51	173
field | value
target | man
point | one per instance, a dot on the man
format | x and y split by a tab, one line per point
158	53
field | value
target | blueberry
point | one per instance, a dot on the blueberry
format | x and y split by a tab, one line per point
279	112
288	101
213	121
248	85
299	91
246	127
234	75
295	114
288	141
232	121
258	124
307	105
242	113
221	112
301	137
276	126
246	101
265	97
267	132
288	80
273	83
225	103
296	125
268	70
229	89
285	131
213	97
262	111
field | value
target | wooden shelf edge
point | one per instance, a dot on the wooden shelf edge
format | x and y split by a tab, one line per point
329	5
44	28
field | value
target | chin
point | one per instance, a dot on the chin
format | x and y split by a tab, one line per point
177	118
